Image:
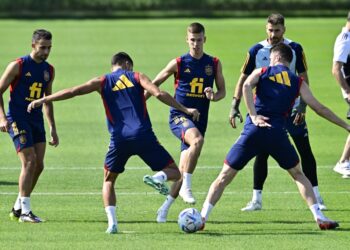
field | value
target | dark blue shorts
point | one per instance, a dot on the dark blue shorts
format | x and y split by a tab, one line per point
254	140
179	125
26	133
296	130
149	150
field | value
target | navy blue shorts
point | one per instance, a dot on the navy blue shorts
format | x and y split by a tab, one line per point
149	150
179	125
26	133
255	140
296	130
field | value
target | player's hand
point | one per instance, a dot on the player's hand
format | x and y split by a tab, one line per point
194	113
209	93
54	141
299	118
260	121
299	112
34	104
4	125
235	113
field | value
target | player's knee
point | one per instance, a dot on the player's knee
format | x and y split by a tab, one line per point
30	162
198	143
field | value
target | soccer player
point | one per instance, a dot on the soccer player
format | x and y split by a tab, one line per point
194	73
30	78
122	92
258	56
341	72
276	89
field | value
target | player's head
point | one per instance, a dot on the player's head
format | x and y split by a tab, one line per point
281	53
123	60
275	28
195	38
41	44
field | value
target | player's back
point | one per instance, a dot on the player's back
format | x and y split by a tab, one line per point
276	92
193	76
125	105
29	85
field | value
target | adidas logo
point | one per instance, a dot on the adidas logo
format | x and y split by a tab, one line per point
265	59
187	70
28	74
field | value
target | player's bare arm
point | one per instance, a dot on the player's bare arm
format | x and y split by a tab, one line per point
49	113
248	86
320	109
7	77
83	89
220	86
336	71
234	112
165	97
163	75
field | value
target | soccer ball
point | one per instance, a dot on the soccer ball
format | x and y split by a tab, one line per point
190	220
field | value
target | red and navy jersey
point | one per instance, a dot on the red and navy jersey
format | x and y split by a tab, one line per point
125	106
276	92
29	85
192	77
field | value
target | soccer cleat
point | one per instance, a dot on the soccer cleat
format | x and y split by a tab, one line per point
156	184
15	214
29	217
346	176
253	206
327	224
342	168
201	228
112	230
162	215
186	195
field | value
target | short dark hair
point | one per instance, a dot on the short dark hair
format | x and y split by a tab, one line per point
349	16
284	50
276	19
120	58
196	28
41	34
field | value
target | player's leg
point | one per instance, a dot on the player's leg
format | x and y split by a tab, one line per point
306	191
39	166
193	137
260	170
110	200
162	212
343	166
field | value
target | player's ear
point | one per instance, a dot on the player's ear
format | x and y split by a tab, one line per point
205	39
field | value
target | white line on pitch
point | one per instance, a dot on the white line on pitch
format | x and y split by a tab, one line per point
132	168
155	193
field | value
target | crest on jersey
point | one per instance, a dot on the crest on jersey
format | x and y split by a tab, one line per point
208	70
46	76
22	139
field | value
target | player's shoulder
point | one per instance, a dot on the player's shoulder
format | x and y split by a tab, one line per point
258	46
294	45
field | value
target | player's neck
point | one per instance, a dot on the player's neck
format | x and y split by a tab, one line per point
197	55
35	59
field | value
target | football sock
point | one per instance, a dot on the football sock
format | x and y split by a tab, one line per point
17	205
160	176
187	180
206	210
167	203
25	204
316	212
257	195
112	219
317	193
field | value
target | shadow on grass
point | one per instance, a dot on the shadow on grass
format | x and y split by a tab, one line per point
8	183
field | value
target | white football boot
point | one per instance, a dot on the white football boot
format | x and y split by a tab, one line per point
253	206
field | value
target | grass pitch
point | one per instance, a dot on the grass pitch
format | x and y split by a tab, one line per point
68	194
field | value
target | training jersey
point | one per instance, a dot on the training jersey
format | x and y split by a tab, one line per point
259	56
276	92
192	77
125	106
29	85
342	52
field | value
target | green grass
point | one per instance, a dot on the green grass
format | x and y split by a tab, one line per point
68	192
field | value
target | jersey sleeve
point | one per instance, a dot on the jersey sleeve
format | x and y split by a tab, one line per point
300	63
249	64
341	48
